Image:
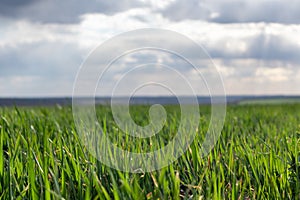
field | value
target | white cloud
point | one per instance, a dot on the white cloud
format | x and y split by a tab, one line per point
96	28
158	4
277	74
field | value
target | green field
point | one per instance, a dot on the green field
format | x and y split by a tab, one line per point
256	157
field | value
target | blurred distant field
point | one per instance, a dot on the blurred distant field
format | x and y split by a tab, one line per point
271	101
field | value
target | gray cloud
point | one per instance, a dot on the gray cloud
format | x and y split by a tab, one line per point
180	10
262	47
235	11
56	11
220	11
39	69
42	59
270	47
15	3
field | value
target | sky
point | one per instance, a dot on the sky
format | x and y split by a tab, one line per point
254	44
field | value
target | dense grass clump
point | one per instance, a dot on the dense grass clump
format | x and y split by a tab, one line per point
256	157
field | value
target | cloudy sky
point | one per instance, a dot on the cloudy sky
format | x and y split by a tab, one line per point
255	44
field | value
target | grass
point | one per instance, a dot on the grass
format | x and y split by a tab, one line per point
256	157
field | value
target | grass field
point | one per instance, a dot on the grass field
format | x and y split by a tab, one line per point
256	157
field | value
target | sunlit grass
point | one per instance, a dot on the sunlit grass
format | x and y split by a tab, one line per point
256	157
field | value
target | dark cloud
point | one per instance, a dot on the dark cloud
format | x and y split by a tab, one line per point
12	8
220	11
15	3
57	11
235	11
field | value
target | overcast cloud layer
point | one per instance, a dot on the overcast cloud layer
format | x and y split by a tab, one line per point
254	44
